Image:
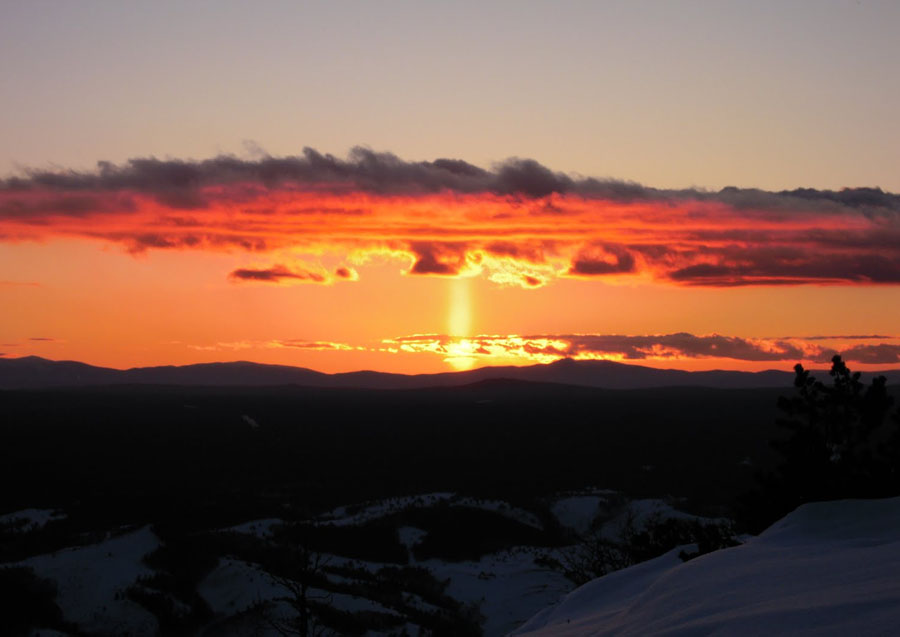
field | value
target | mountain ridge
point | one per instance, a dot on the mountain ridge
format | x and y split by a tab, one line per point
34	372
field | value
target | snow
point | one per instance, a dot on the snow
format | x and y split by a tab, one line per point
508	585
382	508
502	508
643	511
31	519
577	512
609	512
235	585
410	536
259	528
826	569
89	577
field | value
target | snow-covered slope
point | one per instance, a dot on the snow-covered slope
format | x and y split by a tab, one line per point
90	581
508	586
830	568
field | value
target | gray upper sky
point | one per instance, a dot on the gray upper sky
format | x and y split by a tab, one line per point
670	94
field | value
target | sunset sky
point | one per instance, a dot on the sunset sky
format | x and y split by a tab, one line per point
420	187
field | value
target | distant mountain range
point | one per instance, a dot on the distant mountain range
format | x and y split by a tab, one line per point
32	372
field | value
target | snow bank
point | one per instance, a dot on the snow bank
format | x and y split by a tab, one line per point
828	568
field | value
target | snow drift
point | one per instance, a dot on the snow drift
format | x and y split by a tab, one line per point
828	568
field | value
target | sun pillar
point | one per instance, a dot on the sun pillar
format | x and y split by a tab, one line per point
459	324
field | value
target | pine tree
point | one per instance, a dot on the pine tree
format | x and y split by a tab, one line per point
836	445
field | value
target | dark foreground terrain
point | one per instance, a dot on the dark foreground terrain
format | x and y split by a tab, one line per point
130	454
465	510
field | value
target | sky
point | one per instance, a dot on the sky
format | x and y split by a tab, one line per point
420	187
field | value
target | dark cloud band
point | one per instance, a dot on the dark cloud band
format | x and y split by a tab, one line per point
179	184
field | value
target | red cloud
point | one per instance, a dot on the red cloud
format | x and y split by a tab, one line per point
520	224
602	259
437	258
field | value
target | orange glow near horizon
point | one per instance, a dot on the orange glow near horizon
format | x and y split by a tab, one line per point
174	307
338	279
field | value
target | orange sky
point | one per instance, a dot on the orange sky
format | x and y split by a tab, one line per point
373	262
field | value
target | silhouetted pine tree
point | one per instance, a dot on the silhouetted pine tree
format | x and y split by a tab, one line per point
831	451
837	445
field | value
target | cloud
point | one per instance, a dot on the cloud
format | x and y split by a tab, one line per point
546	348
438	258
843	337
517	223
140	242
313	345
181	184
687	346
788	265
629	348
531	252
528	178
346	273
39	207
602	259
277	344
877	354
277	274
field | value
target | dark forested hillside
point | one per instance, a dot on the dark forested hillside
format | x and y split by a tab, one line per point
137	452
